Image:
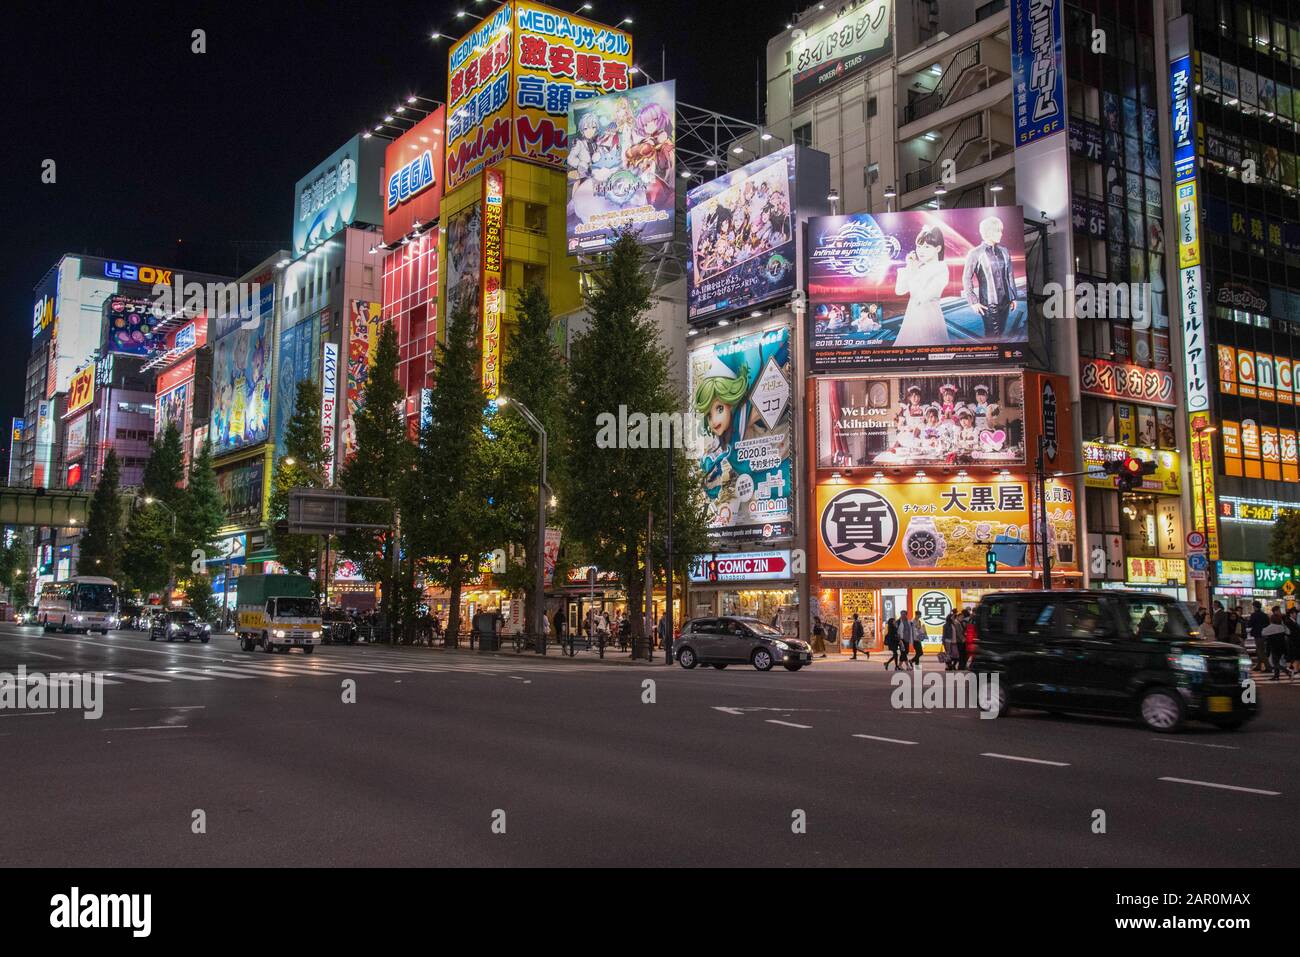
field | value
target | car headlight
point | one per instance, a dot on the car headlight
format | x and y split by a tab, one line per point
278	633
1243	667
78	617
782	645
1189	662
315	634
173	627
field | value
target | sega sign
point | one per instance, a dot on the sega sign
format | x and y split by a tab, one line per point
133	272
411	180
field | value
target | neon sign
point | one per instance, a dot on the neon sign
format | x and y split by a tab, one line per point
411	180
133	272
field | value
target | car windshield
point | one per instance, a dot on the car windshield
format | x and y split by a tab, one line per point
297	607
1162	619
182	616
96	597
756	626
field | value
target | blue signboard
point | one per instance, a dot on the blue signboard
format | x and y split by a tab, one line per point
1184	126
1037	69
298	361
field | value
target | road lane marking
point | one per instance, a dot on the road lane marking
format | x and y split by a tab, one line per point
873	737
171	674
729	710
151	727
1199	744
41	654
134	677
25	714
1225	787
225	673
790	724
1015	757
176	707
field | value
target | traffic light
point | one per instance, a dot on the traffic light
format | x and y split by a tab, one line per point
1129	472
991	561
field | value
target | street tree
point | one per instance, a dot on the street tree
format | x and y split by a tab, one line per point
379	468
200	516
614	489
305	446
164	472
100	551
1285	548
448	508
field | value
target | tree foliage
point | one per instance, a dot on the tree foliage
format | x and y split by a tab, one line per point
1286	539
200	515
100	548
305	445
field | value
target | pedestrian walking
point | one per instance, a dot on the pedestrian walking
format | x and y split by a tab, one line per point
856	634
951	638
1255	626
1222	622
1292	639
1275	633
819	638
918	637
891	643
665	634
561	632
967	646
905	637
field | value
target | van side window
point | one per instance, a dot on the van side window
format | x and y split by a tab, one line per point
1086	618
994	617
1034	617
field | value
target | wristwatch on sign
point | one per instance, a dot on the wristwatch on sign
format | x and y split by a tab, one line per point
922	543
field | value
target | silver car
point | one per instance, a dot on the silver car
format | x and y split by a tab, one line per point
732	640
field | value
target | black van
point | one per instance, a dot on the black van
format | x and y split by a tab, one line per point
1109	652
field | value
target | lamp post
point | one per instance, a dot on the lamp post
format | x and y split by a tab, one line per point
327	570
539	571
150	500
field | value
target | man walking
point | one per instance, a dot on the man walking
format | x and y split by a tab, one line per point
856	635
905	634
1255	630
892	642
918	637
987	281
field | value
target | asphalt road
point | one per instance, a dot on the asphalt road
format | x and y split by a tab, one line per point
440	748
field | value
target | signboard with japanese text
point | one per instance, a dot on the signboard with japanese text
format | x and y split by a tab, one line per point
342	190
242	491
513	78
741	392
830	51
1123	380
329	392
741	566
1155	571
1037	69
363	342
923	526
81	391
494	213
1167	478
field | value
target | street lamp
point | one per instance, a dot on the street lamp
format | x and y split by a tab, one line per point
539	572
150	500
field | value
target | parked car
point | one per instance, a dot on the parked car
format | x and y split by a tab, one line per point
179	624
734	640
1127	653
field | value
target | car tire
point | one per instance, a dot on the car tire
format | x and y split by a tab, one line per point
761	659
307	649
170	637
152	636
719	664
1161	710
687	658
794	667
205	639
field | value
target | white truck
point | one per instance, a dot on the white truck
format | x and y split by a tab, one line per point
277	612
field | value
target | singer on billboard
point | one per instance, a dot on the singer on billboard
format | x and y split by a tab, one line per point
988	282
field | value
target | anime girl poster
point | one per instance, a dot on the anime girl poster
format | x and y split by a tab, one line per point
622	167
464	262
740	407
241	378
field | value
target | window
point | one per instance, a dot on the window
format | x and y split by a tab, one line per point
1152	619
1086	618
535	217
368	275
987	10
871	175
871	107
1034	618
803	135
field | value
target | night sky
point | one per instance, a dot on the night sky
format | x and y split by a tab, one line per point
168	157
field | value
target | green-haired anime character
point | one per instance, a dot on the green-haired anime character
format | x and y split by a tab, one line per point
721	401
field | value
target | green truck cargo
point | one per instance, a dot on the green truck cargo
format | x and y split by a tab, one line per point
277	612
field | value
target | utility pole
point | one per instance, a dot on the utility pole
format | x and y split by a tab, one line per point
668	563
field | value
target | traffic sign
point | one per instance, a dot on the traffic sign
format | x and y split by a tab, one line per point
1197	562
1195	541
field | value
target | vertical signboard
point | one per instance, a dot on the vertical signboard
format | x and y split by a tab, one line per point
1037	69
1196	345
494	184
363	342
329	386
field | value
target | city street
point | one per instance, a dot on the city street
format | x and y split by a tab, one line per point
714	772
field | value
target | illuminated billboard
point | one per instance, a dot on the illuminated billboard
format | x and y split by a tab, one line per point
241	382
923	526
413	171
363	343
741	394
465	262
622	169
131	326
340	191
925	420
833	50
513	77
297	364
922	286
81	391
741	230
494	217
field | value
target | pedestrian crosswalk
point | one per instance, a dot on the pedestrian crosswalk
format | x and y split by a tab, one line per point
192	668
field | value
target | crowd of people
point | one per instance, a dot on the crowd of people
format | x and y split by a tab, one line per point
1271	637
905	635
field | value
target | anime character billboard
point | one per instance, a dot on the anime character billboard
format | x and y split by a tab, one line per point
298	351
622	167
741	399
465	262
241	380
742	245
922	286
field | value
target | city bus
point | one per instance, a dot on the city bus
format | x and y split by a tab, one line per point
83	603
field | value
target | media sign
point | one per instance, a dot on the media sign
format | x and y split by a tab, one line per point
81	391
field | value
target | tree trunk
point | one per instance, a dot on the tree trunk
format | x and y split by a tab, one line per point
634	584
453	610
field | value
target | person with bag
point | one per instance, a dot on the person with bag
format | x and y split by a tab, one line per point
948	657
856	635
1274	635
918	637
966	650
891	643
819	638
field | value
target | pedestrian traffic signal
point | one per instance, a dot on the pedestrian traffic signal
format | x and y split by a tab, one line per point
1129	472
991	561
